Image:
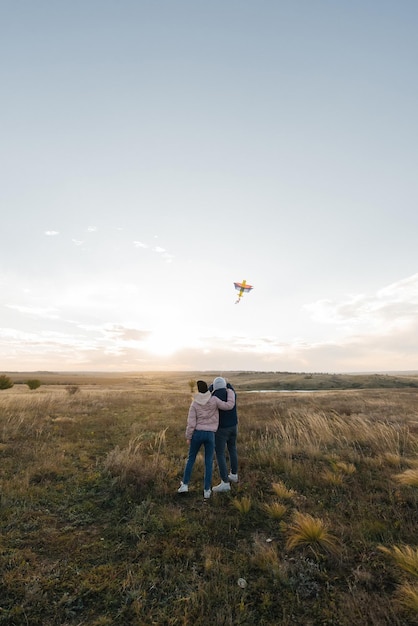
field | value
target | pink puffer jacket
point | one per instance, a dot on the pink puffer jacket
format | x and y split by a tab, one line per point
204	414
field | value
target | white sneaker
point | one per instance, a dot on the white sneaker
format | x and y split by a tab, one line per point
183	488
206	493
222	487
233	478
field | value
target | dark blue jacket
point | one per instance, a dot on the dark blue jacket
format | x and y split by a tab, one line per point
226	418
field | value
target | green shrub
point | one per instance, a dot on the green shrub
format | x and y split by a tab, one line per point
5	382
33	384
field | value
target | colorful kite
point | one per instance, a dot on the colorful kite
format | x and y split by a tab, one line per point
242	288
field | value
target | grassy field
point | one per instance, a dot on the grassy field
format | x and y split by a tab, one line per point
321	528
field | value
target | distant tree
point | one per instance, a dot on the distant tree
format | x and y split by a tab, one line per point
5	382
191	385
33	383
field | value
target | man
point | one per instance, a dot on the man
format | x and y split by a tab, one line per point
226	437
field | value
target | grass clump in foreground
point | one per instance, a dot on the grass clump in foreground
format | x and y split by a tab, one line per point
313	533
320	529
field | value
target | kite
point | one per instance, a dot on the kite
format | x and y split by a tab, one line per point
242	288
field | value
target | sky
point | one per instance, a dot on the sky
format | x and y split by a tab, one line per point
155	152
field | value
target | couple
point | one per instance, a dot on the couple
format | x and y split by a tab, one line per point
212	422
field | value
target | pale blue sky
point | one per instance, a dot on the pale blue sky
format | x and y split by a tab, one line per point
152	153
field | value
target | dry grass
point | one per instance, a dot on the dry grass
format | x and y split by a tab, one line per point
141	463
332	477
243	505
95	533
347	469
276	510
405	557
408	478
314	431
265	556
311	532
282	491
407	597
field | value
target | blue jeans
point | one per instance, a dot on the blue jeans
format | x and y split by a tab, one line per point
199	438
226	438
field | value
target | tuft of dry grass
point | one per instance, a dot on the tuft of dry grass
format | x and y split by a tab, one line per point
394	460
408	478
306	530
276	510
345	468
243	505
333	477
282	491
407	598
405	557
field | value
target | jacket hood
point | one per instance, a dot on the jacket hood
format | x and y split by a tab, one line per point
202	398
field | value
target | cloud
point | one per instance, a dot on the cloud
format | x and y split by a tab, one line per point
95	327
129	335
51	233
163	252
105	347
392	307
157	249
117	347
45	313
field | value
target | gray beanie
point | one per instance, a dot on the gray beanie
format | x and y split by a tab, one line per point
219	383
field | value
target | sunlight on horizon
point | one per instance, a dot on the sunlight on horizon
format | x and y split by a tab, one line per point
168	341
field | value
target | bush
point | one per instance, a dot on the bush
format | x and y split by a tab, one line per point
33	384
5	382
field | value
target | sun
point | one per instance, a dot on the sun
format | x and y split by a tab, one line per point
165	342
